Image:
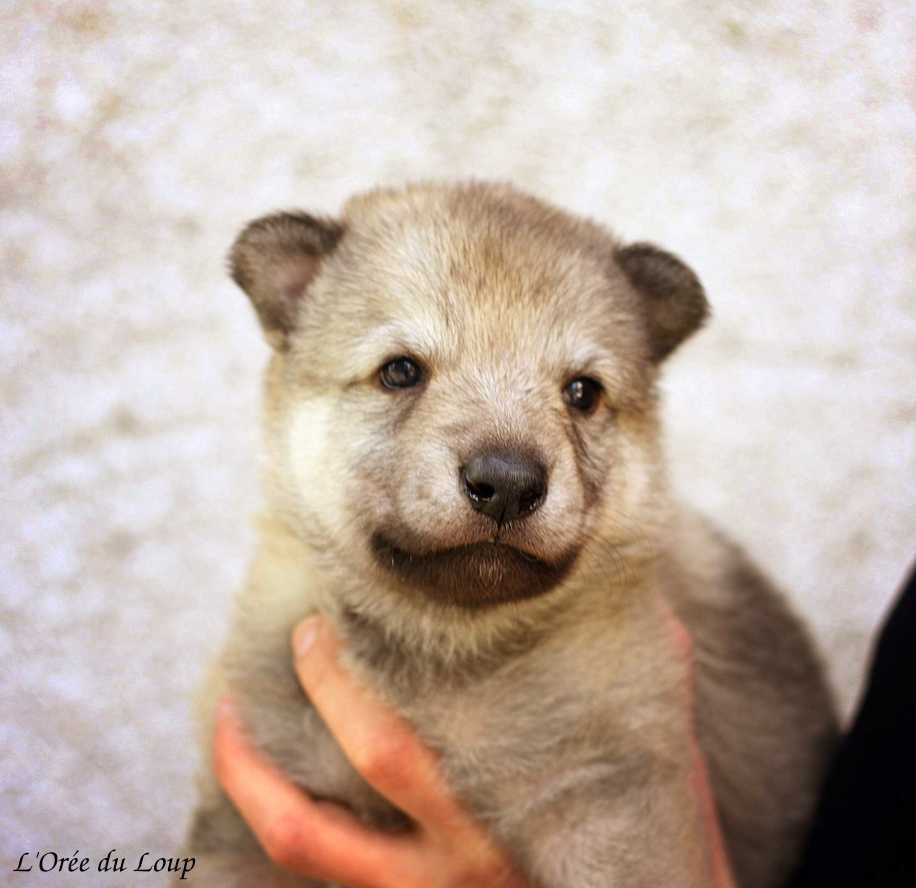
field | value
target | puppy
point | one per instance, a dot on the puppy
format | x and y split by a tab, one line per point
465	475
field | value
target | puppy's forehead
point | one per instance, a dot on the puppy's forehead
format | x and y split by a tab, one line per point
475	276
485	262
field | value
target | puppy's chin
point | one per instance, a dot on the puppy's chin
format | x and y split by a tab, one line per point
474	575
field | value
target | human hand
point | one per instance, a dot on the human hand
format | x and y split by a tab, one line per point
721	873
447	849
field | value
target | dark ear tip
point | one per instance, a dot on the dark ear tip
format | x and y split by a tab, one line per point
275	258
280	222
645	262
676	304
286	231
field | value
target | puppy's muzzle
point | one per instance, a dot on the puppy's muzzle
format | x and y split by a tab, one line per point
504	485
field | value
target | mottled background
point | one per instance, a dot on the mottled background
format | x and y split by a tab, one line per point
770	143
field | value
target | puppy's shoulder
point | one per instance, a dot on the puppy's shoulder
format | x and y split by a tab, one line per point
739	619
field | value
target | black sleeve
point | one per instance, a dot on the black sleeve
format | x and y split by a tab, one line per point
864	831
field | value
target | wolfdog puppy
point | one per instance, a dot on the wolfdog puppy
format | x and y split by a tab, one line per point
465	475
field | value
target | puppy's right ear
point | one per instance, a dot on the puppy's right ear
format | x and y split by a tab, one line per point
274	260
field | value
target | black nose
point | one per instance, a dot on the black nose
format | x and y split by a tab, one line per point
504	485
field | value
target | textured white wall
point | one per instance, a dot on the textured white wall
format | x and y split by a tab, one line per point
768	142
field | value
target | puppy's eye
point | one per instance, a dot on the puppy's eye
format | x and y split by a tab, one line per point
582	394
400	373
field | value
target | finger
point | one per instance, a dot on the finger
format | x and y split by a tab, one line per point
379	744
682	645
680	637
721	869
303	836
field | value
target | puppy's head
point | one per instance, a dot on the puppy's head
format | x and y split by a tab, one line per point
460	403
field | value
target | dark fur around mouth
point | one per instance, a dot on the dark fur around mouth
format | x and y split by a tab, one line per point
472	576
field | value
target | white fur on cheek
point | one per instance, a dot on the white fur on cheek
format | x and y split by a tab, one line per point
311	460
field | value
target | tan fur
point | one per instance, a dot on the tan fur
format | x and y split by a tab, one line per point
557	715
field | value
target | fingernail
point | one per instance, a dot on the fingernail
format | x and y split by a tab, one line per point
305	635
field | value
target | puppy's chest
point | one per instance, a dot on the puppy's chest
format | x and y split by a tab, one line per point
494	736
502	735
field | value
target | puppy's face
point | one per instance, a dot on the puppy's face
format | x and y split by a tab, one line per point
461	396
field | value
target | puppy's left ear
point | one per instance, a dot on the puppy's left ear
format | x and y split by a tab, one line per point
673	296
275	259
